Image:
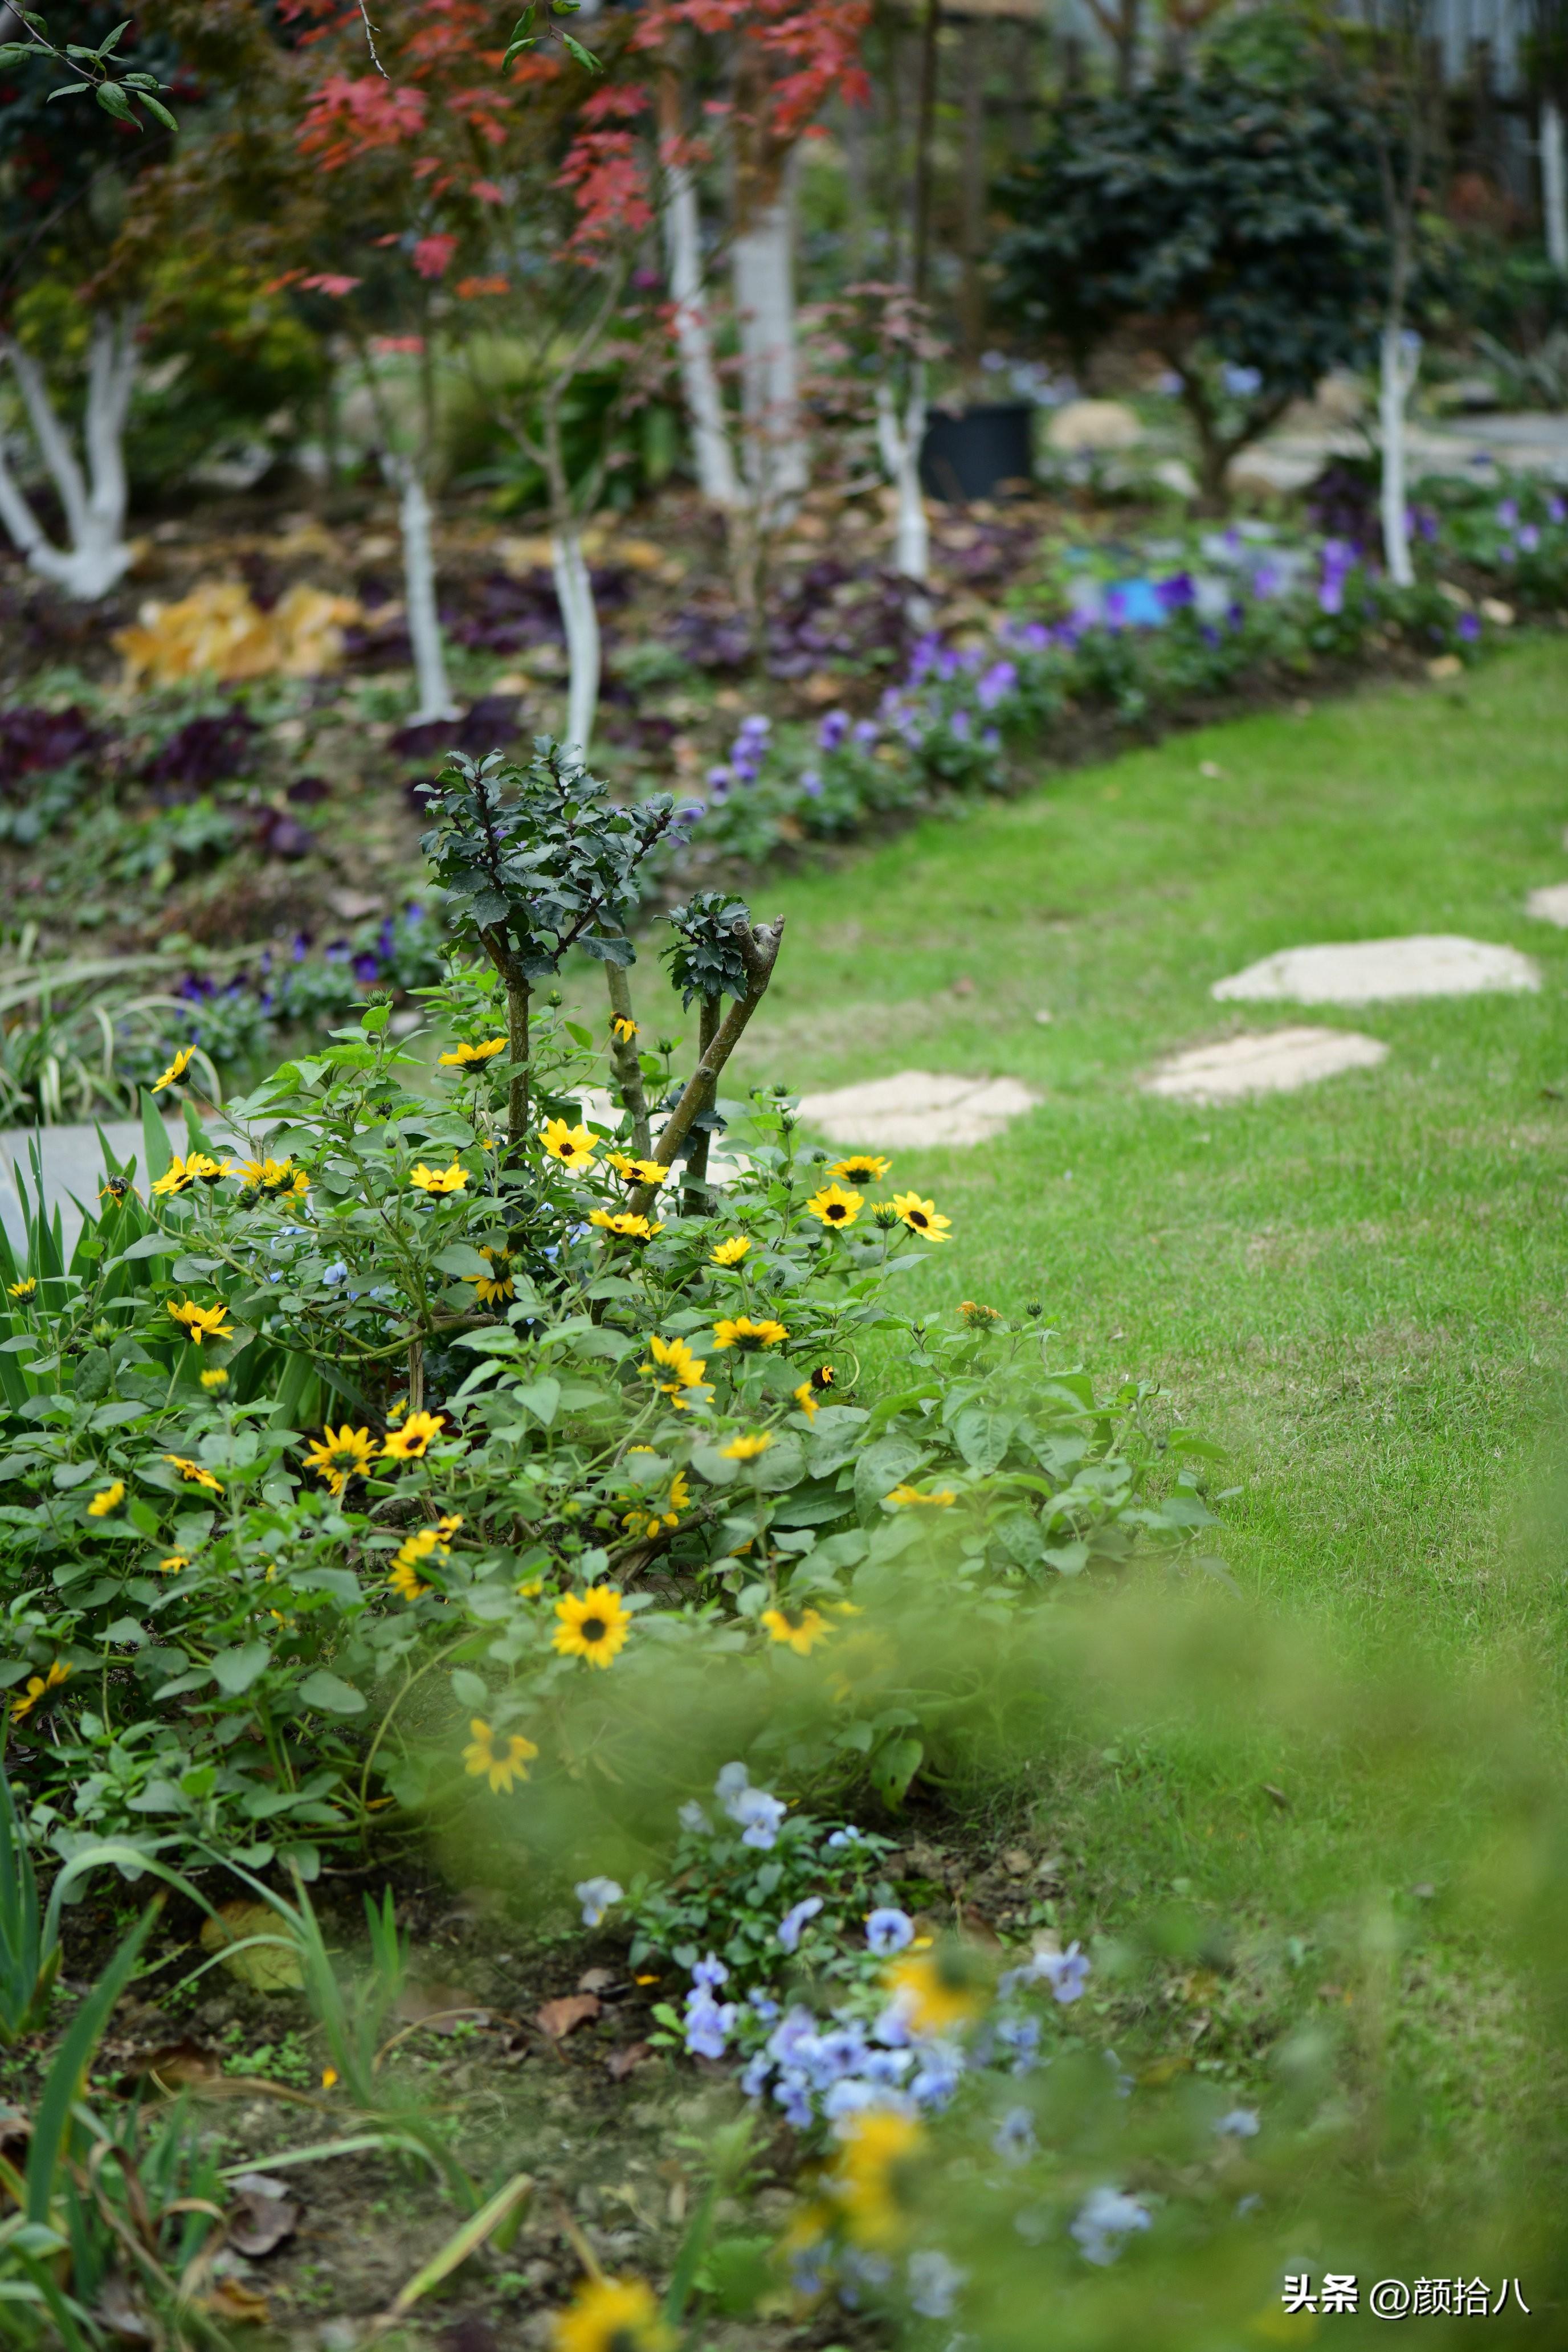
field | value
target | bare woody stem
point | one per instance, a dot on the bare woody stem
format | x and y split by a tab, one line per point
695	1200
499	949
626	1062
759	953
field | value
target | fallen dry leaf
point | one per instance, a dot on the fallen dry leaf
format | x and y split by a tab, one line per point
442	2008
217	632
560	2018
172	2066
262	2215
620	2063
595	1981
121	2312
241	2305
265	1968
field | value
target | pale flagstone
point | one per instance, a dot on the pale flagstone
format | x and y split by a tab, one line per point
1549	904
1262	1062
1373	971
916	1109
72	1162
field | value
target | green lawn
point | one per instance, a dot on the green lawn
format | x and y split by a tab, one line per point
1361	1287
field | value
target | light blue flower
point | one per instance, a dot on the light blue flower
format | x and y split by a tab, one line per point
709	1973
597	1895
1013	2139
694	1821
1241	2123
934	2284
1104	2220
795	1919
889	1931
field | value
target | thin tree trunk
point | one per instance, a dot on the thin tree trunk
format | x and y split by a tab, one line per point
419	593
763	262
972	300
717	476
758	952
94	505
696	1201
517	1007
1396	376
899	440
1553	192
625	1061
580	617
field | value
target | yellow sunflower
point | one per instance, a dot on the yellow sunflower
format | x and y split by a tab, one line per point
274	1177
194	1472
493	1290
206	1169
802	1628
625	1227
876	2149
746	1448
404	1581
939	1989
731	1252
463	1056
340	1454
407	1443
24	1289
108	1498
861	1168
200	1323
176	1178
906	1496
922	1217
174	1563
739	1331
805	1397
500	1758
685	1369
594	1625
834	1206
574	1145
215	1378
175	1071
440	1180
37	1686
622	1029
613	2315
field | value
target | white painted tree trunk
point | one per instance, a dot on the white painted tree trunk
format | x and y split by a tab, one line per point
98	555
1399	365
580	616
419	593
762	261
1554	191
716	473
898	439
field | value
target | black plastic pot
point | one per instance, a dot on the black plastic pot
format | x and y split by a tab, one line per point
976	453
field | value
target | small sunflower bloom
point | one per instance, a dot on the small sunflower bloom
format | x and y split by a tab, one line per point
574	1145
860	1168
834	1206
623	1164
731	1252
404	1581
39	1686
273	1178
823	1378
625	1227
594	1625
802	1628
613	2315
176	1178
685	1369
175	1071
329	2078
410	1440
977	1318
877	2147
941	1500
108	1498
340	1454
805	1397
463	1056
206	1170
746	1447
214	1379
200	1323
739	1331
193	1473
436	1181
493	1290
623	1029
937	1990
174	1563
500	1758
24	1289
922	1217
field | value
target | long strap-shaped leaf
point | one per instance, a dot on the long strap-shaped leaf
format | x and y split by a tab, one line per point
479	2226
52	2121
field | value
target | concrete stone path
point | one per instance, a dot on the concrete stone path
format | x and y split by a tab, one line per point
1374	972
1272	1061
916	1109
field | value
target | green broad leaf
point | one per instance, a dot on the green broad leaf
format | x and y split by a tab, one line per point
149	1245
76	1473
181	1683
883	1465
330	1693
981	1436
893	1767
342	1584
590	63
233	1671
1067	1559
116	1416
158	110
469	1689
490	1342
541	1398
458	1260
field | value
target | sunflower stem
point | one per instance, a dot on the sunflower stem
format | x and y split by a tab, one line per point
627	1061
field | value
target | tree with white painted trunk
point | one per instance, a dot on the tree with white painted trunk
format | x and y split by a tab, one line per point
1403	117
90	483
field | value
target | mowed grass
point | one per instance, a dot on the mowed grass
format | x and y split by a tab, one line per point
1359	1288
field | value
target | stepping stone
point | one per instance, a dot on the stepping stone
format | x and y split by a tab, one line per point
1549	904
918	1107
1374	972
1262	1062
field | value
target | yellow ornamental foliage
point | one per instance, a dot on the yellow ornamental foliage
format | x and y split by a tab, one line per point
217	632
